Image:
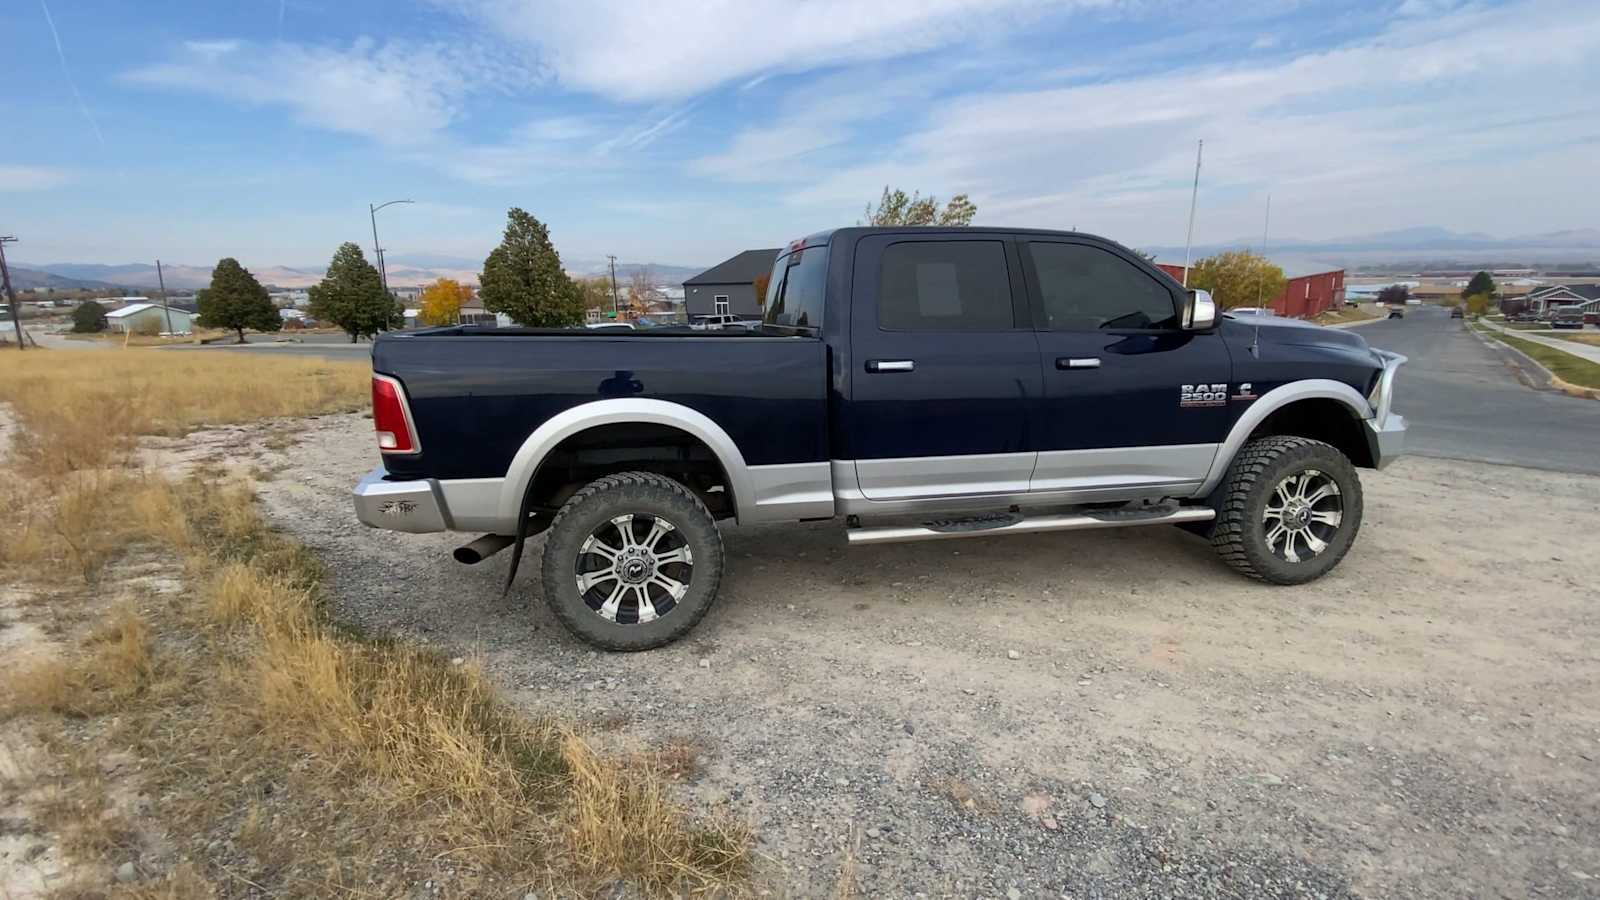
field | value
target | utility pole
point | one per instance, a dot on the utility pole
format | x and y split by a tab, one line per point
616	306
377	250
1193	196
165	309
11	297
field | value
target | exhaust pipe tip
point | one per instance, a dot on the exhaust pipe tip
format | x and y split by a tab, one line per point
481	549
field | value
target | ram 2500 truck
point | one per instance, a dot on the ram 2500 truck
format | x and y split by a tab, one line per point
911	383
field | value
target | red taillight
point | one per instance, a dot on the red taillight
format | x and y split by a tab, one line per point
390	417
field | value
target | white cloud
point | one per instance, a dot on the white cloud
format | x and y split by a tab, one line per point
31	178
1346	139
394	92
637	50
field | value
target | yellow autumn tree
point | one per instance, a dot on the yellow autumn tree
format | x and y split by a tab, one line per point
442	302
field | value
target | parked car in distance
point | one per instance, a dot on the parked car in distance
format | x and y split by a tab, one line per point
719	321
1397	312
1457	313
1566	317
908	383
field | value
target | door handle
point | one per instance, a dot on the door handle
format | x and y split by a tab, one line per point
1077	362
890	365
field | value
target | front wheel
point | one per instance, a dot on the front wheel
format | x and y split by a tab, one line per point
1288	510
632	561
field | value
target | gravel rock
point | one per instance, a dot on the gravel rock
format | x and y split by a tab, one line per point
1012	654
1098	801
126	873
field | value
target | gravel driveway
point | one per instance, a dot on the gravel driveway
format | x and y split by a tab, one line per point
1102	714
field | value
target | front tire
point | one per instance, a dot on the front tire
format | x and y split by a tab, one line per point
633	561
1287	511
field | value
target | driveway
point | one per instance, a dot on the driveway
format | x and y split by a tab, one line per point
1464	403
1106	714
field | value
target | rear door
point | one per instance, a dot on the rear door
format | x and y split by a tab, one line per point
946	367
1130	399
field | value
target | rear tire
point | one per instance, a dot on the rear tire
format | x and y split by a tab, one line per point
1287	511
633	561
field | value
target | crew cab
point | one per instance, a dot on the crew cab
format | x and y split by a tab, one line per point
909	383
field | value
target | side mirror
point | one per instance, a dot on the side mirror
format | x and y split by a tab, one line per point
1199	311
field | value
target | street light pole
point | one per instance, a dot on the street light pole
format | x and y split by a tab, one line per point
377	250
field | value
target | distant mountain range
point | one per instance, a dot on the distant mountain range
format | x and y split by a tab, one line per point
405	270
1430	244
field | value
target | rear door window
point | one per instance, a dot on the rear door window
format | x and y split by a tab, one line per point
1086	288
795	290
945	286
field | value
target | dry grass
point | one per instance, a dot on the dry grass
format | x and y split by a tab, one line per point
1592	340
1346	314
83	410
326	764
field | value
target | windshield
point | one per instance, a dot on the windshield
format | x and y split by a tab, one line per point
795	291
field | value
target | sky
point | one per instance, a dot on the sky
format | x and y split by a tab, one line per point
686	132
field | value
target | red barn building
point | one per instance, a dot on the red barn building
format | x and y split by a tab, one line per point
1306	294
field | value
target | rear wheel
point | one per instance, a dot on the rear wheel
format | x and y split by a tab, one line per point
1288	510
633	561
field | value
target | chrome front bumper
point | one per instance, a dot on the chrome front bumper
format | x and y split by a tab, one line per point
414	506
1387	441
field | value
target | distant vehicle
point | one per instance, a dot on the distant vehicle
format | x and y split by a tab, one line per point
1413	301
610	326
1397	312
1456	313
1566	317
1251	311
719	321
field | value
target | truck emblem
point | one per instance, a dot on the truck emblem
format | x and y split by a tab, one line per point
1193	395
1245	392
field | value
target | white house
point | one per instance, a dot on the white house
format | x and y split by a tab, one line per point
149	317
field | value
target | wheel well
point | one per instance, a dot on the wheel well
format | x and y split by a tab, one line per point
631	447
1321	419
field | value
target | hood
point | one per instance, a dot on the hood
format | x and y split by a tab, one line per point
1292	332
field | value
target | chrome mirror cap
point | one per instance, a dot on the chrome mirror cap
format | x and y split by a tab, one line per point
1200	312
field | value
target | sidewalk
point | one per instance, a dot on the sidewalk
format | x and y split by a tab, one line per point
1589	352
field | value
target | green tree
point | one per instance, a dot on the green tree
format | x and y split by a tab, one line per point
236	300
1481	283
1394	295
1238	278
89	318
523	277
351	296
895	207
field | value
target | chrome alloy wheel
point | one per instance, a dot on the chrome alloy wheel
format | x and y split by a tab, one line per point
634	569
1302	515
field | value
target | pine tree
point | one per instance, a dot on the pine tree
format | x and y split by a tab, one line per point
1481	283
237	300
351	295
523	277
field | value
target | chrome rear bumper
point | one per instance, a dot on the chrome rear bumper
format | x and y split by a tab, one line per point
414	506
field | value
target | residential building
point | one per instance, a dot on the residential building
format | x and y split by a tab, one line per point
150	317
1542	300
729	286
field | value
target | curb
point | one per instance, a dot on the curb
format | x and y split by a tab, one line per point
1552	380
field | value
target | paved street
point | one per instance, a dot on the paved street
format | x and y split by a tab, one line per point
1463	403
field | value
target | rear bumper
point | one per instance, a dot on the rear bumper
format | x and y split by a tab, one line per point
414	506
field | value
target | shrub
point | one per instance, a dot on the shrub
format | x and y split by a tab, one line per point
89	318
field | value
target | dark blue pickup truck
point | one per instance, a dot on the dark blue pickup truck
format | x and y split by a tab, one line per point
913	383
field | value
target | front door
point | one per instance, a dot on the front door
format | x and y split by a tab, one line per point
1130	399
947	367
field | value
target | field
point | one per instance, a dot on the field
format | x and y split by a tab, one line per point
183	717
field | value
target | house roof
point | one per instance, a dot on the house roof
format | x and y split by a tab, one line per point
1578	291
129	310
744	268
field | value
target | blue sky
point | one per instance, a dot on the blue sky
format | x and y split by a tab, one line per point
682	133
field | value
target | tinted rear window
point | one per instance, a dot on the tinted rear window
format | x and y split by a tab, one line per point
945	286
795	291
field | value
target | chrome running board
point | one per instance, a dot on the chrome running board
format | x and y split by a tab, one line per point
1016	523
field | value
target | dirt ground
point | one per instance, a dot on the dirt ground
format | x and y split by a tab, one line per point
1425	721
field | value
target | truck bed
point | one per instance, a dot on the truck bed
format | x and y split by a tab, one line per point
477	393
